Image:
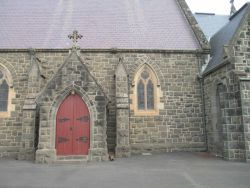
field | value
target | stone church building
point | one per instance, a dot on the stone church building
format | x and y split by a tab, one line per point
82	79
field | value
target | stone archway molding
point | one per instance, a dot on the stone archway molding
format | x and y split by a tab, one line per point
72	75
9	71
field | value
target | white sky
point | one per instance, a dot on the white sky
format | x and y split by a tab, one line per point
214	6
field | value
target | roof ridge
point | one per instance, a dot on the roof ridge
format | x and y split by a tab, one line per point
224	37
232	17
238	11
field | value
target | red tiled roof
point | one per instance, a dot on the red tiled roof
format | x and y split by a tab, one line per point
104	24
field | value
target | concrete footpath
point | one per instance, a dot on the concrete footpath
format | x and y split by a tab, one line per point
168	170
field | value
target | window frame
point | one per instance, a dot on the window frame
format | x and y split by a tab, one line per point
156	91
11	94
3	82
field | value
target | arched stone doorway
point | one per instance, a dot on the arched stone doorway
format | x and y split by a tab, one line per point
72	127
72	78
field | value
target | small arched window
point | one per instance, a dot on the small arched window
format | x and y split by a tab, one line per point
146	92
4	93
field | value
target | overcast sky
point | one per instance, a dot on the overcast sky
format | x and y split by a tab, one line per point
214	6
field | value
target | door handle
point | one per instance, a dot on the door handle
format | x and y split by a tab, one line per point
83	139
71	128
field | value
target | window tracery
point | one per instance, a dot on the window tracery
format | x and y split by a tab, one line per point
146	95
145	91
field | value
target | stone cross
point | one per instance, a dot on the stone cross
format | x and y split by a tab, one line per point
233	9
75	36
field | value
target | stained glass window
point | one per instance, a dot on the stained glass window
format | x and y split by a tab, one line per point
150	95
141	95
4	91
145	91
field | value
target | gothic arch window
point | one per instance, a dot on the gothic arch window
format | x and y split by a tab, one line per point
146	92
6	92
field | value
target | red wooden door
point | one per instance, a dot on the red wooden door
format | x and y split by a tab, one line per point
72	127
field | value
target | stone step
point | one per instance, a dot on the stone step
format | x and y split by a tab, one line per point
71	159
70	162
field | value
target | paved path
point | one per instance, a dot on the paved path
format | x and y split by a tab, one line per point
170	170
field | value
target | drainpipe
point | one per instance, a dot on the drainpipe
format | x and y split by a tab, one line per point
204	111
201	80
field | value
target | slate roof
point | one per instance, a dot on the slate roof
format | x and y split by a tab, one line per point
104	24
211	23
224	36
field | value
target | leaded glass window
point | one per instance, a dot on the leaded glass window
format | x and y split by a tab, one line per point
145	91
141	95
150	95
4	91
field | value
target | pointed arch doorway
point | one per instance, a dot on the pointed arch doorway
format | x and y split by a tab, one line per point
72	127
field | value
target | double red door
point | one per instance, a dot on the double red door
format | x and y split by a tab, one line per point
72	127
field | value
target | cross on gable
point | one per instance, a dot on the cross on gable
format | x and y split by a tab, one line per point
233	9
75	36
